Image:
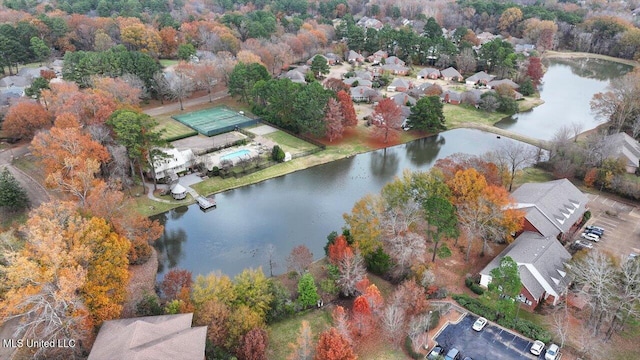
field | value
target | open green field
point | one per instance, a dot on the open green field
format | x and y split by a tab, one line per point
173	129
168	62
289	143
456	115
532	175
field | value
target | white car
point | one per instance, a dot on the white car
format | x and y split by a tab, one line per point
479	324
583	244
552	352
591	237
537	347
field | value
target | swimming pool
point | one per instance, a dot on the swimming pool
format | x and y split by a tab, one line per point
235	154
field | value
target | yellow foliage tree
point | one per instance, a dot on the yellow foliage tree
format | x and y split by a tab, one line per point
364	222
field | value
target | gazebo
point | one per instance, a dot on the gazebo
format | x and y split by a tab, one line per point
179	192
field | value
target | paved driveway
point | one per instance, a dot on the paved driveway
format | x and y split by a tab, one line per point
492	343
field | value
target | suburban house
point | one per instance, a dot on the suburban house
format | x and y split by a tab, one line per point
472	97
363	93
330	60
541	264
403	99
367	22
358	81
176	161
524	48
295	76
150	337
451	97
626	147
479	78
485	37
364	74
493	83
429	73
394	60
400	85
451	74
552	209
354	58
395	69
333	58
377	57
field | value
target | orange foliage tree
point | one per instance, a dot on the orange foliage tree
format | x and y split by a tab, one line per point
253	345
333	346
25	118
348	111
387	117
339	249
362	318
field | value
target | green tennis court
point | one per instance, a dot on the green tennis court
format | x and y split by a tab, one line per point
215	121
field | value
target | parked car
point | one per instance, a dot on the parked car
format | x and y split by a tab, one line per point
590	237
579	244
435	352
479	324
596	228
467	358
552	352
595	232
537	347
454	354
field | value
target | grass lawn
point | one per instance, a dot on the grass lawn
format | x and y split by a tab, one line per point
173	128
457	115
286	331
289	143
533	175
31	167
147	207
167	62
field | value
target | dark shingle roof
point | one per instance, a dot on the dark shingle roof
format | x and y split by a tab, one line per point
552	207
541	262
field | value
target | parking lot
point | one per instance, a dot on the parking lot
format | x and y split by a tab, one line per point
621	223
492	343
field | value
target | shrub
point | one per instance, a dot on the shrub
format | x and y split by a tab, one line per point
444	252
378	262
215	171
408	346
149	306
531	330
475	306
586	216
471	284
277	154
329	286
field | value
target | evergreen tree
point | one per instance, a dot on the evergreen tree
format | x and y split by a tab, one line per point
427	115
307	291
12	195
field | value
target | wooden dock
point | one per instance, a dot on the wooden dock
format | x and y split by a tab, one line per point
206	204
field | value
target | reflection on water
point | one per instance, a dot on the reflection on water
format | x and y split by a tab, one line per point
568	88
298	208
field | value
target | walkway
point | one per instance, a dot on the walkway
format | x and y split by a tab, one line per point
185	181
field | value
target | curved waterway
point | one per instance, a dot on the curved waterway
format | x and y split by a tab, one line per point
567	89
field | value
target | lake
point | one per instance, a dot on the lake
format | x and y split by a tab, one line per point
305	206
298	208
567	89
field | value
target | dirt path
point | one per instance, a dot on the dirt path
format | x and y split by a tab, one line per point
36	192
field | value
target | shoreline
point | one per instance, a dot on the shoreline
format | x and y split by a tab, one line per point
579	55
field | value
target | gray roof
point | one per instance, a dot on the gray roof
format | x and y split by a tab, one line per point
427	71
401	99
551	207
354	56
540	261
450	72
31	73
480	76
453	95
151	337
399	82
294	75
361	82
394	60
364	74
13	80
394	67
509	82
625	146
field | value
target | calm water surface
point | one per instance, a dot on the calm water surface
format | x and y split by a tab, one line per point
298	208
568	88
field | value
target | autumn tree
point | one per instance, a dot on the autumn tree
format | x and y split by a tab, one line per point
393	320
299	259
12	195
338	250
365	223
333	346
348	111
513	157
123	92
302	349
535	70
169	42
175	281
352	271
620	102
362	318
136	132
181	84
387	117
334	120
253	345
307	291
206	76
24	119
484	211
510	19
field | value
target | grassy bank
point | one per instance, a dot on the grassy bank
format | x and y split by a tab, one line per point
577	55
